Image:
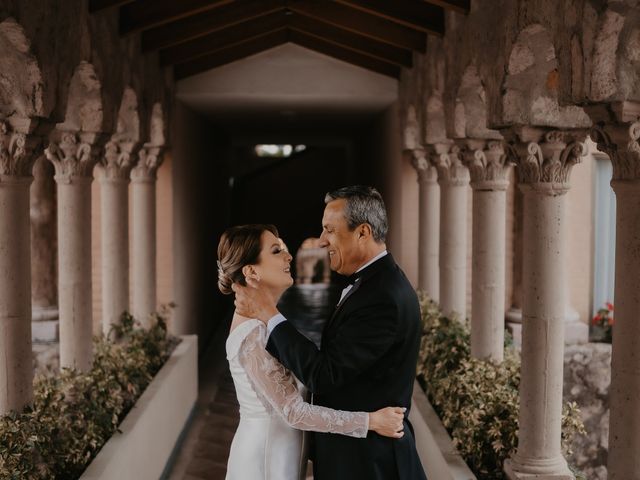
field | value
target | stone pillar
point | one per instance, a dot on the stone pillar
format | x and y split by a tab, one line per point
544	160
453	178
144	178
429	225
489	167
620	139
114	183
74	155
44	282
17	156
44	292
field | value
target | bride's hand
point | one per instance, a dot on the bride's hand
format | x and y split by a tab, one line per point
388	422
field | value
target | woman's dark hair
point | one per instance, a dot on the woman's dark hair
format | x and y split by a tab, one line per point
239	246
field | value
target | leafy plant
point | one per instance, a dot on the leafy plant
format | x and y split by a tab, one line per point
476	400
73	414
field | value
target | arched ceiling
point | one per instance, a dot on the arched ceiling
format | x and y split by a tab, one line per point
193	36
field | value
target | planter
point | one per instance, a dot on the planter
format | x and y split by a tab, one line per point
439	457
154	425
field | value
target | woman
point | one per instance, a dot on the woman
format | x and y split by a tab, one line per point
268	441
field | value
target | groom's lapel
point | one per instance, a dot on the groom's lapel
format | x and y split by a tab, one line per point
365	275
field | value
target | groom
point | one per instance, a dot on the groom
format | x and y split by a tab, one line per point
367	359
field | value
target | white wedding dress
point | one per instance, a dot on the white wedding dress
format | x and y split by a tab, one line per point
268	442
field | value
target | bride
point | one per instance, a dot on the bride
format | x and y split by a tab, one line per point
268	442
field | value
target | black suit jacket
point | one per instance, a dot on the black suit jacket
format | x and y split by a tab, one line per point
367	361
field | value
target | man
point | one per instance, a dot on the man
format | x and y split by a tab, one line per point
367	358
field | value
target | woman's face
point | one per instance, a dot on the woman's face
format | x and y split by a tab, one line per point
274	263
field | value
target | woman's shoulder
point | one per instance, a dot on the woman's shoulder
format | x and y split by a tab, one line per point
247	332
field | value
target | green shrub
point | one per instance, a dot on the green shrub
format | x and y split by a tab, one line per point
476	400
74	414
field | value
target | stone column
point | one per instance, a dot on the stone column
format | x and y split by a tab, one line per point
453	178
544	160
429	225
17	156
74	155
44	291
114	183
489	167
144	178
44	268
620	139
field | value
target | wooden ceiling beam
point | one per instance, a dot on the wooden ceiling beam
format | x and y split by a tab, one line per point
420	16
235	34
231	53
362	23
460	6
97	5
349	56
144	14
352	41
207	22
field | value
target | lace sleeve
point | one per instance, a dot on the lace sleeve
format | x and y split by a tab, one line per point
277	387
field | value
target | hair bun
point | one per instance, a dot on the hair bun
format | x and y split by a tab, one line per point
224	281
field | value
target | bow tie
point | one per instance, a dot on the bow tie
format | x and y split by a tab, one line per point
353	279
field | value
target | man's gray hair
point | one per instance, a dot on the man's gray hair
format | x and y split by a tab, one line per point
363	205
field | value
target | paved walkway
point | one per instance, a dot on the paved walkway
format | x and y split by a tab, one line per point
205	446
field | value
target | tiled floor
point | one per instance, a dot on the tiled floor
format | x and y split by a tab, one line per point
209	455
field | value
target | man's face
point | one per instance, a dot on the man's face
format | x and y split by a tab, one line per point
343	246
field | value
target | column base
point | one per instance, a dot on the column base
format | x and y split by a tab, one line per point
45	325
515	471
575	331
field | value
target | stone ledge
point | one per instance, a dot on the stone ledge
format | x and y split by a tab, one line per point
154	425
439	457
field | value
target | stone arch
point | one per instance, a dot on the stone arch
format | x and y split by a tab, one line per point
84	107
411	131
616	57
470	115
128	126
532	84
21	81
157	126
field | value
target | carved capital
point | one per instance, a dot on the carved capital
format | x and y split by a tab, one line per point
149	160
18	152
74	154
451	169
621	142
489	164
119	158
426	172
545	158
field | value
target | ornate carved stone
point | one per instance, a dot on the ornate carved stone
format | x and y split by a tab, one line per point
488	164
18	152
74	154
621	142
450	167
426	172
547	159
150	159
119	158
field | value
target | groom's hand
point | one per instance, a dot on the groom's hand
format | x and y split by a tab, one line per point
253	302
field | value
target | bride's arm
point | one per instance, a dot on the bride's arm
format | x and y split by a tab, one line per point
276	385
